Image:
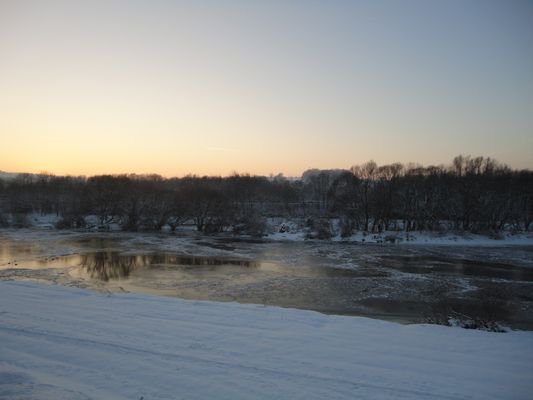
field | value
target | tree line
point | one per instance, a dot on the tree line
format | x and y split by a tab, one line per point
475	194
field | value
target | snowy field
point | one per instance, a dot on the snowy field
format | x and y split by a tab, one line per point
66	343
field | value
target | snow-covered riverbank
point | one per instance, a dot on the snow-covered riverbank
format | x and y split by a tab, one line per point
282	229
444	238
59	342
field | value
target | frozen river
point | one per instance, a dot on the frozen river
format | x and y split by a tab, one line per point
405	283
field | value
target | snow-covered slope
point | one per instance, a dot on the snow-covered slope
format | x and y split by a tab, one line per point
8	175
65	343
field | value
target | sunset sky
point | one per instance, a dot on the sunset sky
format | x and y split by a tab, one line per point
212	87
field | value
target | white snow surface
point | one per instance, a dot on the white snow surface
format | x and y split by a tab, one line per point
67	343
293	230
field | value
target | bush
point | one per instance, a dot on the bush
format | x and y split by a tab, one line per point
4	221
346	227
69	221
20	220
318	229
496	235
251	224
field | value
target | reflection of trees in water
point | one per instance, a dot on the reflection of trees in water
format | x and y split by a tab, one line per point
192	260
109	265
457	266
113	265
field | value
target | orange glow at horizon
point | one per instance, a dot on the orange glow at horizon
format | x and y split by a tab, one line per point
177	88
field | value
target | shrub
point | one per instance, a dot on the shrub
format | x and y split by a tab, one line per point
20	220
4	221
69	221
318	229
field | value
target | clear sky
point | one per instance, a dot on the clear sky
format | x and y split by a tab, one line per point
212	87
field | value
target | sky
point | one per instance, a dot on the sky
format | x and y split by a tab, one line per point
262	87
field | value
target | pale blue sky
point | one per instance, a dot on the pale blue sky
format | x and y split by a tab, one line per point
212	87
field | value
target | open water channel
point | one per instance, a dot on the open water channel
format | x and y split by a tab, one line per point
404	283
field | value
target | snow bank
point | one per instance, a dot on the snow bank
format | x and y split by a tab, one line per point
445	238
59	342
283	229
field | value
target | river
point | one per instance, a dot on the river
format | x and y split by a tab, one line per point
403	283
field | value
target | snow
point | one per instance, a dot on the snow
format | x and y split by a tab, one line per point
446	238
68	343
43	221
293	230
7	176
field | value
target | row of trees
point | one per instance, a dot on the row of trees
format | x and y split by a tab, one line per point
471	194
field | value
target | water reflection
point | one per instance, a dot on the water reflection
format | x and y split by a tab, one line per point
108	265
459	267
400	283
115	265
11	253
